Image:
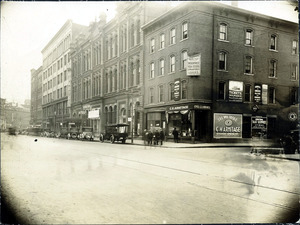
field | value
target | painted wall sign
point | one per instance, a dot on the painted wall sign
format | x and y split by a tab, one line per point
257	93
227	125
193	66
236	91
264	94
177	89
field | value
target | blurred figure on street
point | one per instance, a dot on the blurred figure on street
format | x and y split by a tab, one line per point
161	137
144	136
149	137
175	134
156	137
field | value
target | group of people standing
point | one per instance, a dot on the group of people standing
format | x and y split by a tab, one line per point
153	138
156	137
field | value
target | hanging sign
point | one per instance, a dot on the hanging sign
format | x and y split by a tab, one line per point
177	89
257	93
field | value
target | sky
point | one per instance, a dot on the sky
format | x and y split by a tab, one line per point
27	27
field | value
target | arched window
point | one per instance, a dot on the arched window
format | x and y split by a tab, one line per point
223	31
184	57
172	63
184	30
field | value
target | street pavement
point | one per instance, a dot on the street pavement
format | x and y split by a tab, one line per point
58	181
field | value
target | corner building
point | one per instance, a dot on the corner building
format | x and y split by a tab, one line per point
214	71
107	69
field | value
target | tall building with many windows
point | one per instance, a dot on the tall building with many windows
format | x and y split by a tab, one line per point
36	112
56	84
214	71
107	72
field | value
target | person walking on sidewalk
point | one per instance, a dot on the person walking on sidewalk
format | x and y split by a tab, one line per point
149	137
144	136
156	137
161	137
175	134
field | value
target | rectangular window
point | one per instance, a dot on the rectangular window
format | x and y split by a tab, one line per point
295	47
65	90
273	44
273	68
223	32
162	41
272	95
65	75
184	30
294	96
172	36
152	45
247	93
249	37
151	95
161	93
152	70
294	75
162	67
172	64
222	89
248	65
222	61
184	57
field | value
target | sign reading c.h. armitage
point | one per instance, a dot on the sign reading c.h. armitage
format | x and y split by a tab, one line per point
227	125
193	66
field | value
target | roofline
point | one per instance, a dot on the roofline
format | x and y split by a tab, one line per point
57	34
216	4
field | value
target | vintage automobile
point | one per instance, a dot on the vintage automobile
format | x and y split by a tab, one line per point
117	132
87	134
290	142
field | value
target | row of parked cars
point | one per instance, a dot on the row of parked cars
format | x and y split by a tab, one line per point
112	133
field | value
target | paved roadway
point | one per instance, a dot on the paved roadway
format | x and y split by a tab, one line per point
57	181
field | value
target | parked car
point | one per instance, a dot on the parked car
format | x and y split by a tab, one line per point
87	134
117	132
12	131
73	133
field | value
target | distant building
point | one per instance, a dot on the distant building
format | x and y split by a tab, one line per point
57	77
214	71
36	112
13	115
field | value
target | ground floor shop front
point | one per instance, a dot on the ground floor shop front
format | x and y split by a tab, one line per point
198	122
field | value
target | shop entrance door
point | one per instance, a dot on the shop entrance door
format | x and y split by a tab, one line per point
201	118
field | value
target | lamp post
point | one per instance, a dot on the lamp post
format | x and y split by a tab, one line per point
54	121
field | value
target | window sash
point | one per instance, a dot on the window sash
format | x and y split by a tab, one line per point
162	67
271	95
172	39
162	41
172	64
247	93
273	42
248	37
223	32
184	30
273	69
248	65
222	61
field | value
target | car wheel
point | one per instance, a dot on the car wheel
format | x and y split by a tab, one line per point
112	139
123	141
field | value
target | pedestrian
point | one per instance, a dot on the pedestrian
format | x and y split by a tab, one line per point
175	134
149	137
144	136
161	137
156	137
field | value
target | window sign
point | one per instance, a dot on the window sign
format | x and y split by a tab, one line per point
264	94
93	114
236	91
194	66
227	125
177	89
257	93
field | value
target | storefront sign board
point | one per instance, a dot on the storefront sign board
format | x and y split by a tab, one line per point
227	125
259	122
193	66
93	114
257	93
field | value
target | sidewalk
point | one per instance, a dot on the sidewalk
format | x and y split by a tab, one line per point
255	144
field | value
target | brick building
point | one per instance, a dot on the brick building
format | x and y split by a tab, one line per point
107	73
216	71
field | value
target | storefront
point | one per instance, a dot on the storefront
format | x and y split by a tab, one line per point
94	120
190	120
